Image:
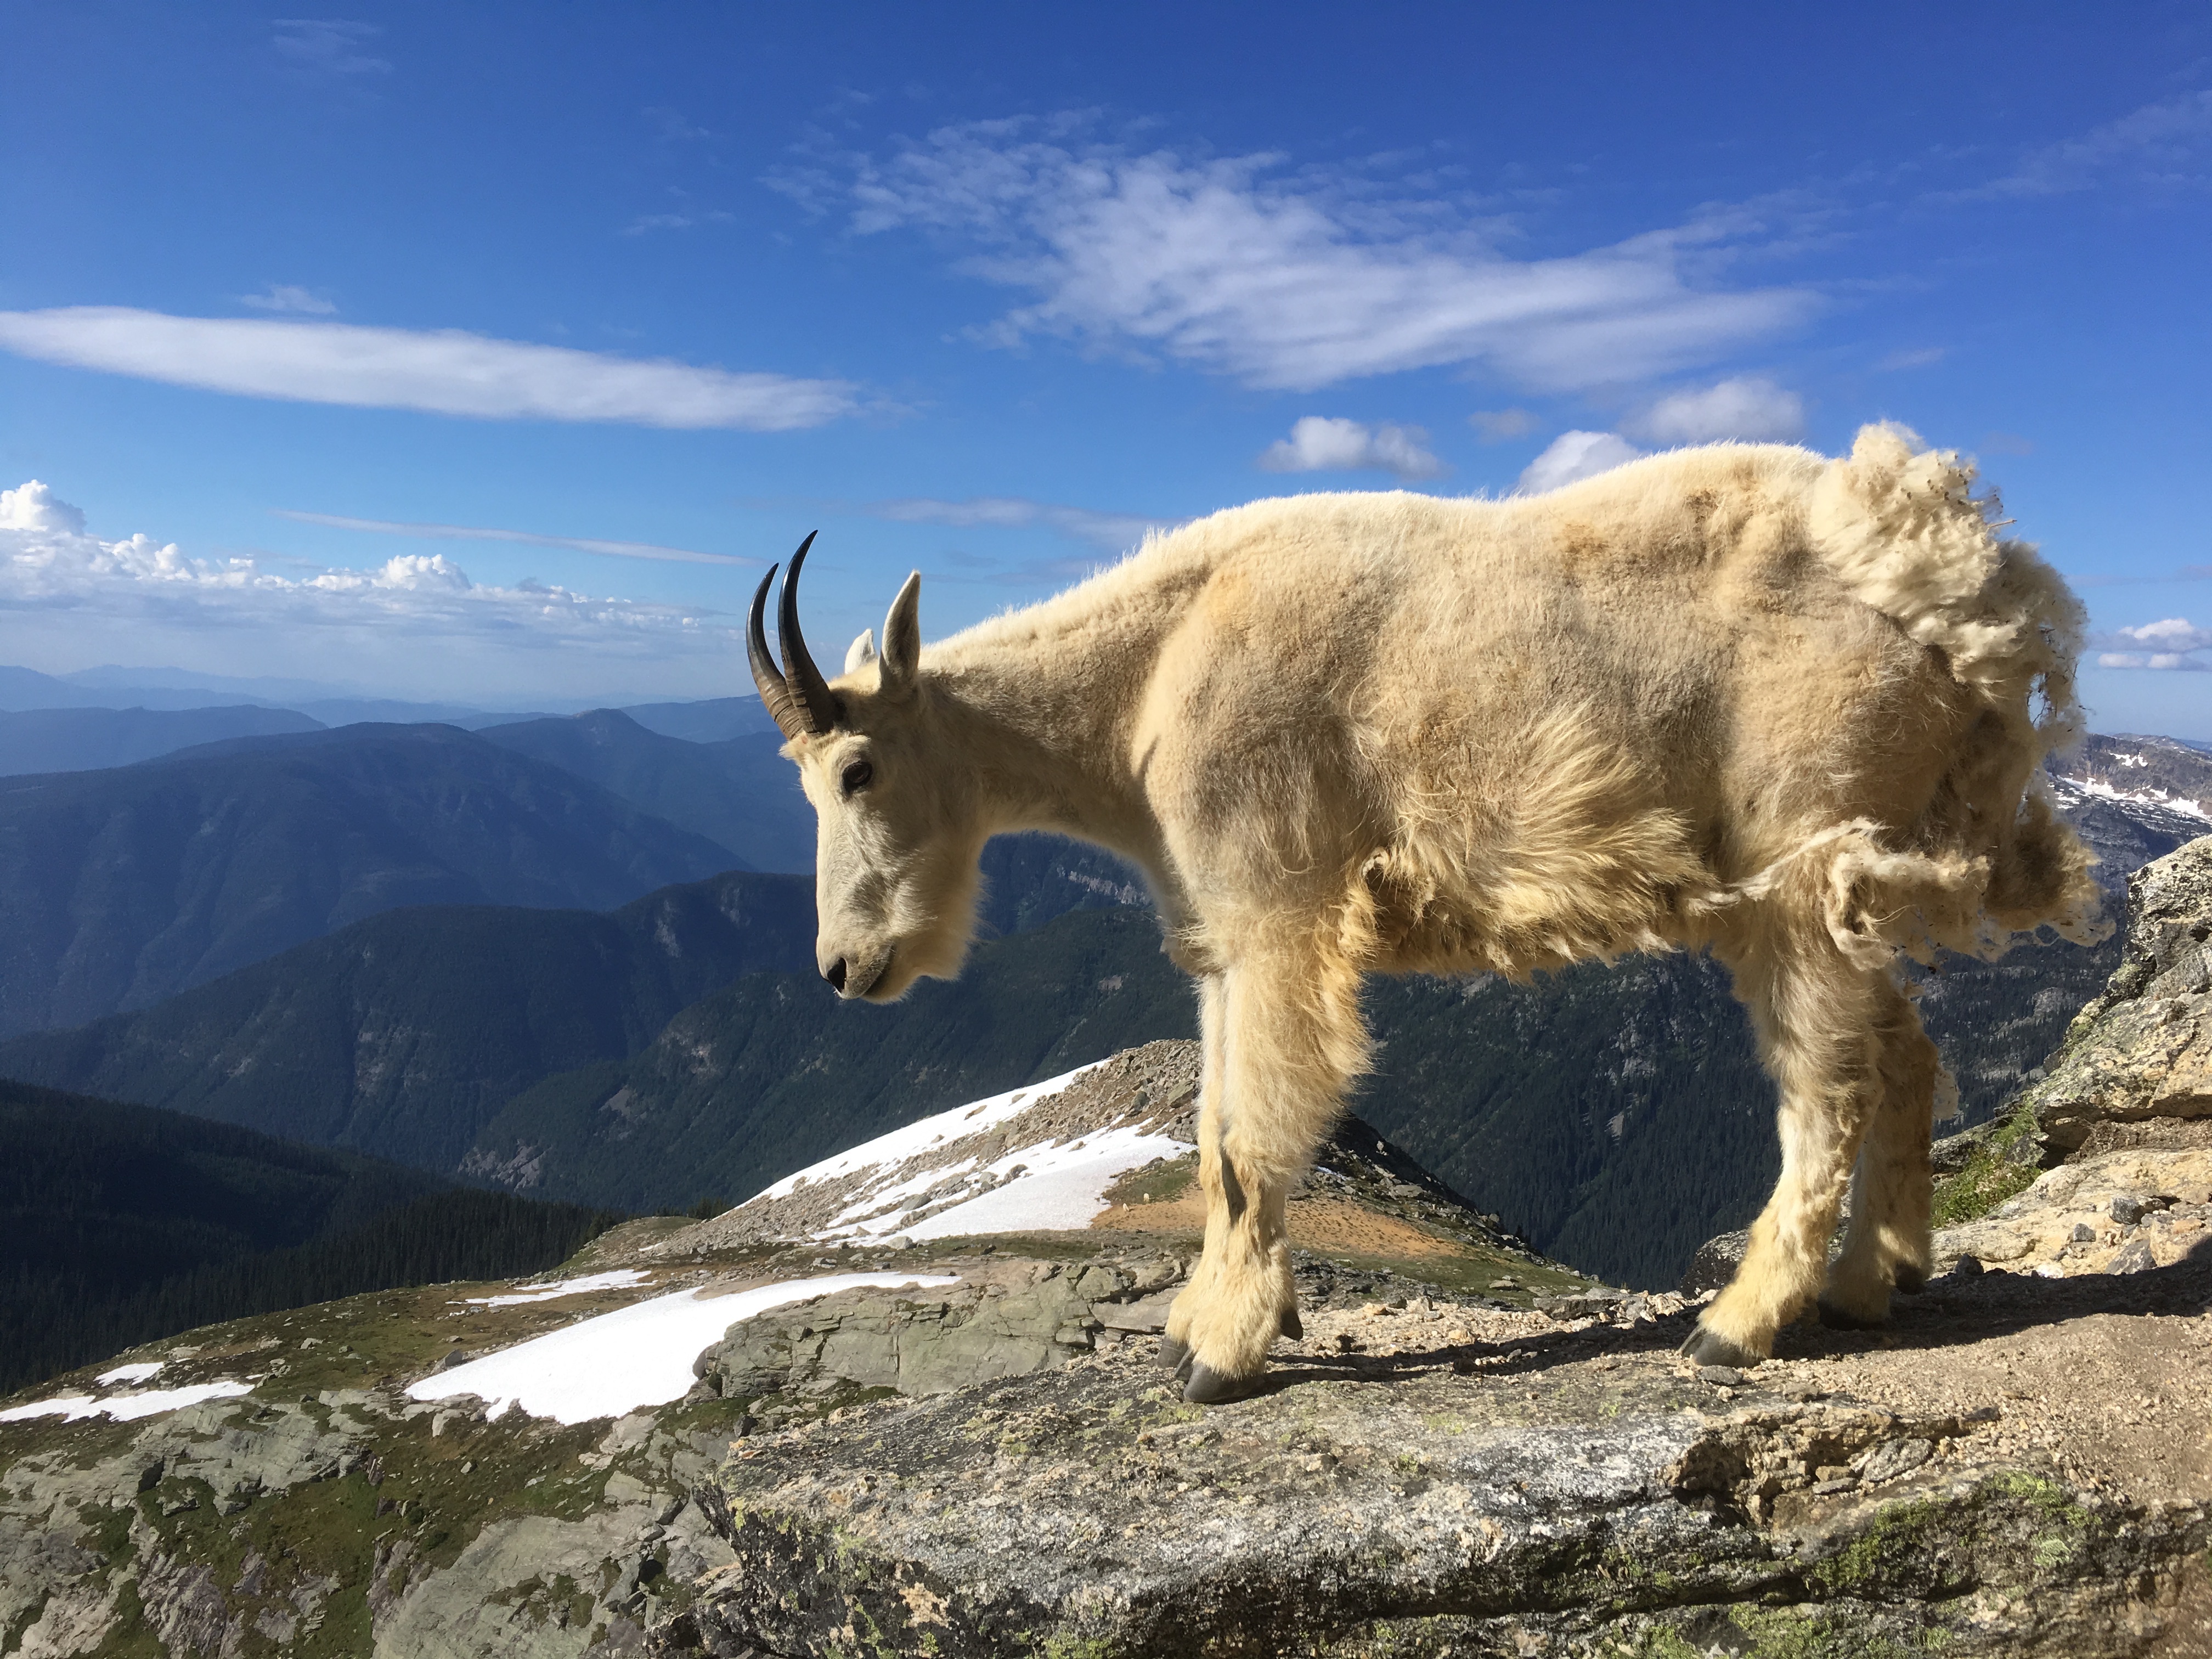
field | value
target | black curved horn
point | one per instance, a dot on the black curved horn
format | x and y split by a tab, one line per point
799	668
784	708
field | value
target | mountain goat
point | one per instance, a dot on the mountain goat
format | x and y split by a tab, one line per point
1742	698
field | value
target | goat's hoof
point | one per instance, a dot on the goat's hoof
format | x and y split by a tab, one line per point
1710	1348
1842	1319
1208	1386
1175	1355
1911	1281
1293	1326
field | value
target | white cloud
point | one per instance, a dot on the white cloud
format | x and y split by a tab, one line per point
414	607
1749	407
466	533
2170	641
1575	455
328	45
2165	144
1115	532
1295	284
1497	426
445	371
285	296
1319	443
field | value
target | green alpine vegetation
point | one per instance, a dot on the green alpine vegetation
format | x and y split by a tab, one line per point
122	1224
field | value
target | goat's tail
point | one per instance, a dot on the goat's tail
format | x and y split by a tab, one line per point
1899	525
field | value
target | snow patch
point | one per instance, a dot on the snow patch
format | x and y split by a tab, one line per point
2149	795
1059	1187
126	1408
1040	1187
637	1356
900	1145
137	1372
620	1278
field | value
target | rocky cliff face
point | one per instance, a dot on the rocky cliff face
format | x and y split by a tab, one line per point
1471	1451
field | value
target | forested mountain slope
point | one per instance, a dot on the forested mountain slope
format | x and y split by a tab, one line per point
740	793
403	1034
87	739
120	887
120	1224
774	1073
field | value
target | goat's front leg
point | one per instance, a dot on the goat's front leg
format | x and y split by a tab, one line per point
1278	1058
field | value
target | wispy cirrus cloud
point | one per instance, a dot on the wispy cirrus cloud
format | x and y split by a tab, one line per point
285	296
1112	532
2163	144
1289	283
527	538
1497	426
1319	443
328	45
442	371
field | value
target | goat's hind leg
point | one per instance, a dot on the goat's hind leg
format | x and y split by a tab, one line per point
1888	1244
1811	1008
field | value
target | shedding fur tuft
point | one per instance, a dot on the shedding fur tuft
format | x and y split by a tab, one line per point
1900	526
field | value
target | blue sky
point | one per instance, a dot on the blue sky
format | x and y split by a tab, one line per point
309	304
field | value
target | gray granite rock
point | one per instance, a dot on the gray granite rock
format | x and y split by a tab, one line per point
1346	1513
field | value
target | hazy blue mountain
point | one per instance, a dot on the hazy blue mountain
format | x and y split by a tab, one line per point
120	887
90	739
120	1224
740	793
713	719
403	1034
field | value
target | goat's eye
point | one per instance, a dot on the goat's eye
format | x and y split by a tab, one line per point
857	776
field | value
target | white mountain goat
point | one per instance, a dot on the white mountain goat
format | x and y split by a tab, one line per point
1741	697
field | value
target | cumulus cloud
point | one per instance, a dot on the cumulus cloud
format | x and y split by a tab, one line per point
1319	443
1575	455
467	533
2171	643
444	371
1292	283
1749	406
52	568
1497	426
1114	532
285	296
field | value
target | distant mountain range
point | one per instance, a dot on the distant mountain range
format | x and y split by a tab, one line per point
404	1034
119	888
739	793
92	739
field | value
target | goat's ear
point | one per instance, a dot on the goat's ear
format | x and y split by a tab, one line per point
861	652
901	658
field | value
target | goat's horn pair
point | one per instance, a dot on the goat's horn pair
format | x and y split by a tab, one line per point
798	699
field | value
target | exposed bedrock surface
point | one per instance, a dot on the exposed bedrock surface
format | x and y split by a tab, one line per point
1415	1483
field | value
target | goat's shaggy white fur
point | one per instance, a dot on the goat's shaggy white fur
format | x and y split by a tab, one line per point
1741	698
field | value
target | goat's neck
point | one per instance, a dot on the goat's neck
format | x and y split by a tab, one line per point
1045	726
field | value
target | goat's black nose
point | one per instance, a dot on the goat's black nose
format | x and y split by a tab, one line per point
835	973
